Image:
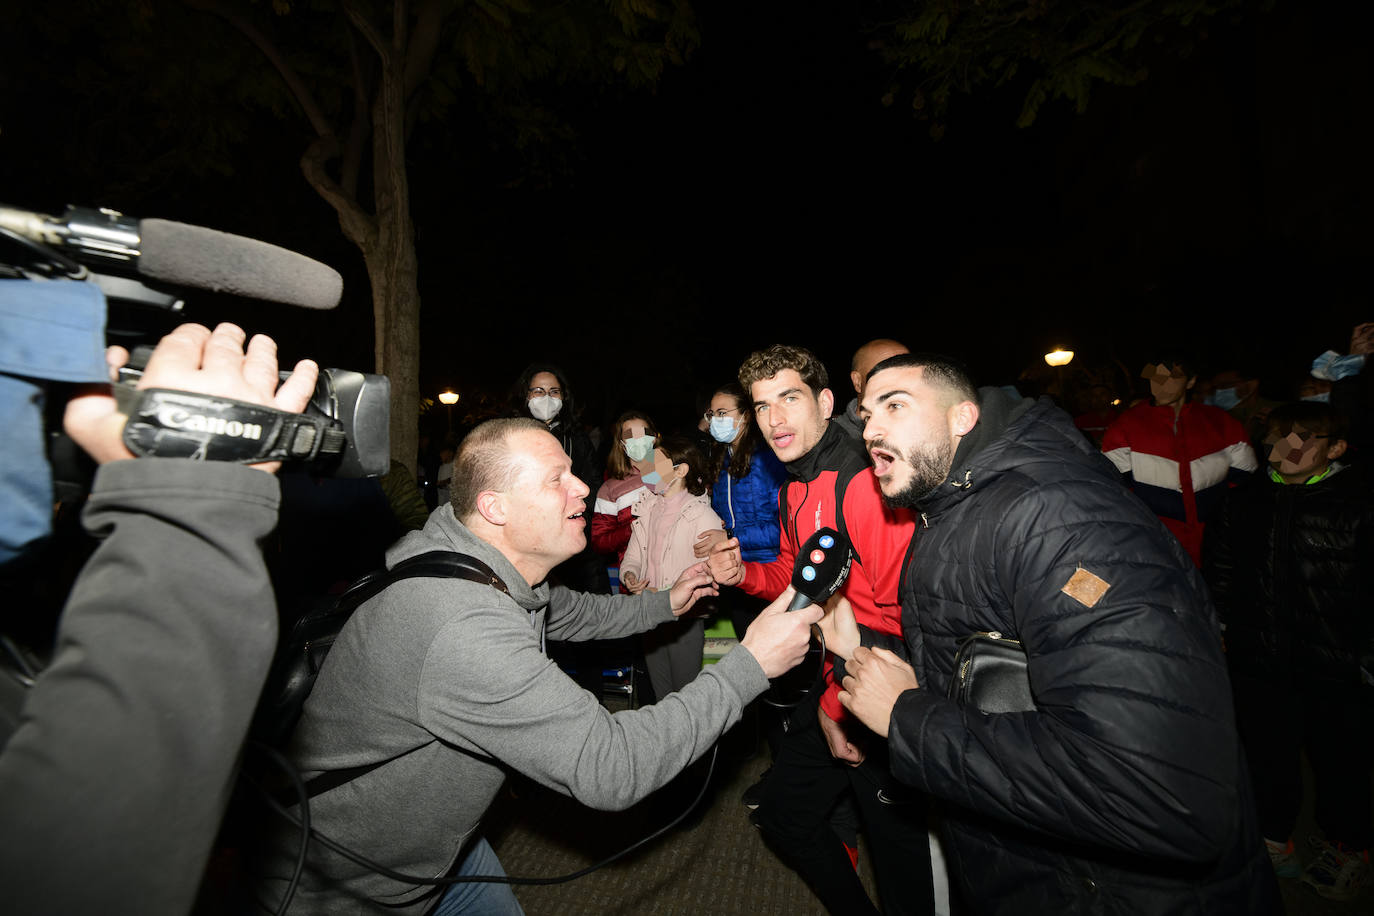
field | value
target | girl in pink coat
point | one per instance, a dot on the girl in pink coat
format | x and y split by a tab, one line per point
667	523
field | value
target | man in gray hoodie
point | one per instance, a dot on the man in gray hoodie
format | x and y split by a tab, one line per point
441	686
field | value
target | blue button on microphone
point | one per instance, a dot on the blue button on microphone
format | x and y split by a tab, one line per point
809	573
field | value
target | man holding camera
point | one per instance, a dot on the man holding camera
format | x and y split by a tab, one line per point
438	687
114	782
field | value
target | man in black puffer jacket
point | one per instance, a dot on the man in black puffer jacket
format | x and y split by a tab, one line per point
1124	790
1290	570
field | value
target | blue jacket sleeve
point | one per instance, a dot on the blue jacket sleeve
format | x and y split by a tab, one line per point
756	507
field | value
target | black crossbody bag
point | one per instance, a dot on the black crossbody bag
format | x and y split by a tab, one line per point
990	674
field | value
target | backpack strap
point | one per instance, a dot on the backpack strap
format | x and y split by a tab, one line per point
436	564
843	476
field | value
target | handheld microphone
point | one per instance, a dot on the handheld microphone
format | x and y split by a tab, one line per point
821	567
178	254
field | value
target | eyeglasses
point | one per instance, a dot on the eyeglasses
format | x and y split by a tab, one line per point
723	412
551	392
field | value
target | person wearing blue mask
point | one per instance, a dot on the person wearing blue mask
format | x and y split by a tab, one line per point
631	454
746	478
666	524
1339	379
1237	391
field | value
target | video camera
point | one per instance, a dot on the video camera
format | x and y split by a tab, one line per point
144	266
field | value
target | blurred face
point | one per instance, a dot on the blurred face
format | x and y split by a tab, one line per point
1168	384
791	417
670	475
910	434
1296	453
545	507
634	428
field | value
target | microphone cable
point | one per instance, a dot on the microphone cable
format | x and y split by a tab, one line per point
309	833
817	681
769	696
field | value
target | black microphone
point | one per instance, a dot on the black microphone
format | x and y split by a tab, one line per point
821	567
180	254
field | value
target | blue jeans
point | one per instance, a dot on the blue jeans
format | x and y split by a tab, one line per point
479	898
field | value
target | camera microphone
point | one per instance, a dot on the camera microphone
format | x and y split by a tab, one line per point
177	254
821	567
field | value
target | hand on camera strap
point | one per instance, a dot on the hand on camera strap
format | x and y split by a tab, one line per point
181	424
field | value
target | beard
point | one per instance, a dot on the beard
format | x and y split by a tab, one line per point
929	468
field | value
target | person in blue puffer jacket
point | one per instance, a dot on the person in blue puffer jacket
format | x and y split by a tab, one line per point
745	493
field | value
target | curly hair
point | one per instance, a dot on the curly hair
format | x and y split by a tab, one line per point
764	364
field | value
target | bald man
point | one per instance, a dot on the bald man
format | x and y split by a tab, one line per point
438	688
865	358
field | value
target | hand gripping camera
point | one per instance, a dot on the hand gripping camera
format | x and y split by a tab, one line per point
148	264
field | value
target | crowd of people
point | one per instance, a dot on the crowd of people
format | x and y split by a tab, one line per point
1283	563
1181	585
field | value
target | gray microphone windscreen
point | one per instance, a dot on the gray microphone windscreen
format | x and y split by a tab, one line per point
223	263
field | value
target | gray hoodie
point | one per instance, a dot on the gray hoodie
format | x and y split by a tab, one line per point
447	681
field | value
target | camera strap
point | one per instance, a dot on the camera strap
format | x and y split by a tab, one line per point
182	424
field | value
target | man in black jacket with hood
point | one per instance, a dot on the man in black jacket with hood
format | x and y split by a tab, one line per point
1124	788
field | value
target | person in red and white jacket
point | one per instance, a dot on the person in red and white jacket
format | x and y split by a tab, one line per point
623	488
825	752
1179	458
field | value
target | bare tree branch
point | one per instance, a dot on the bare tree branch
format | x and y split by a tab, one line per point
313	113
361	127
369	31
424	44
357	223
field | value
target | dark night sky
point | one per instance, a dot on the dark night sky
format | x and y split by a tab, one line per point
763	194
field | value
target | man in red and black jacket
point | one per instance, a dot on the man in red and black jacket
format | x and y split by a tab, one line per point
825	751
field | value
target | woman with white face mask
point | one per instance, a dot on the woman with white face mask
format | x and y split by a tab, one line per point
542	392
632	452
746	477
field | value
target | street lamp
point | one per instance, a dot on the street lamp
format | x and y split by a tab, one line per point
1058	357
448	397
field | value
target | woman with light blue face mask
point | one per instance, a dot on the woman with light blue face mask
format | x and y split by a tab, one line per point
635	436
746	476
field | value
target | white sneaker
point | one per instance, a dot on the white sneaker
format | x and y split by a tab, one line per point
1284	858
1337	873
